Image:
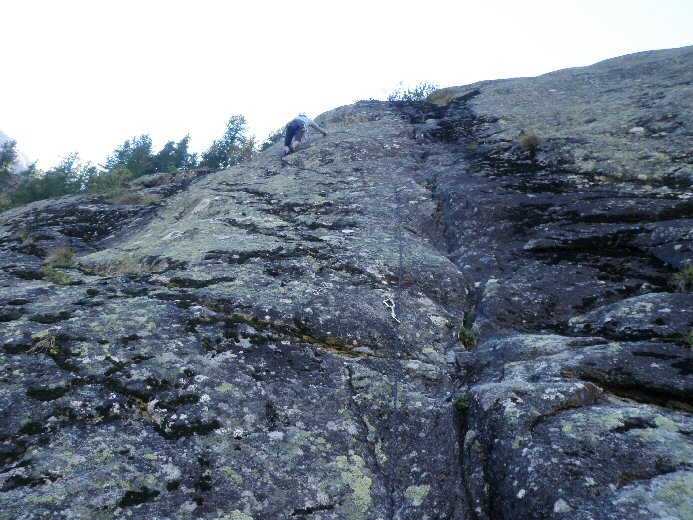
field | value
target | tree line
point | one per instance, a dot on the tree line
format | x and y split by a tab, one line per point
132	159
136	157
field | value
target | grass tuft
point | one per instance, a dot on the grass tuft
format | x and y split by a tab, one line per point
684	278
529	141
121	265
461	402
132	198
466	336
687	338
45	344
443	96
60	257
25	236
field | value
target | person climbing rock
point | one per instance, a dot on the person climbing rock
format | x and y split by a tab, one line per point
295	130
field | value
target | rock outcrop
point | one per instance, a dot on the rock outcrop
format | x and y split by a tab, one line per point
227	353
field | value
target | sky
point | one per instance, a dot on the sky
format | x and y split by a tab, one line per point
84	75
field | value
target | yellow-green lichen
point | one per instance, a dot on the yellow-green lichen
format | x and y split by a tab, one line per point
614	346
103	454
352	474
417	494
235	515
679	493
231	474
373	439
226	388
518	442
611	421
45	499
666	423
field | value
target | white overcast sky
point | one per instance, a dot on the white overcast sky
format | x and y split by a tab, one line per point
85	75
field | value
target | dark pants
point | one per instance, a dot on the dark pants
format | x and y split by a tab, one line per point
294	130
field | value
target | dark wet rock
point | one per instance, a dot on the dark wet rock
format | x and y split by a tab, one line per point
226	353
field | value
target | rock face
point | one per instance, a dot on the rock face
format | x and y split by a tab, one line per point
227	354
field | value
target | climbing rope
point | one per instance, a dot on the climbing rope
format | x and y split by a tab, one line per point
395	369
395	312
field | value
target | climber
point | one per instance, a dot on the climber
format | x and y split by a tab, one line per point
295	130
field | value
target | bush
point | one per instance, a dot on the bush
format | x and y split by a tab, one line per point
111	181
461	402
70	176
56	277
418	93
274	137
466	336
44	342
684	278
174	157
529	141
60	257
232	148
687	338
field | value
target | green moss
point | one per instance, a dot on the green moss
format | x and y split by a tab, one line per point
567	427
417	494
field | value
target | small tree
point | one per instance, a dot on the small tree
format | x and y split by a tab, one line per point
231	148
174	157
8	157
110	181
135	155
70	176
274	137
418	93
